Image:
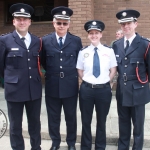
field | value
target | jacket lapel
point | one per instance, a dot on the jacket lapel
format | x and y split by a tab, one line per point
54	41
67	40
18	40
33	41
134	45
121	46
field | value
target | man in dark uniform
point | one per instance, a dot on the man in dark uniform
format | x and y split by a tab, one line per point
19	52
59	56
133	58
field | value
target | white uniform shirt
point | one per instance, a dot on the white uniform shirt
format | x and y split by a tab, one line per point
27	39
85	62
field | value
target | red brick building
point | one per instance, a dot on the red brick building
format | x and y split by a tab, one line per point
84	10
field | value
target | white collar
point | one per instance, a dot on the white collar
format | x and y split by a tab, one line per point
130	39
98	46
27	36
57	37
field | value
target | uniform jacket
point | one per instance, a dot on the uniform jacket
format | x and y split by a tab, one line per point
60	65
130	91
19	67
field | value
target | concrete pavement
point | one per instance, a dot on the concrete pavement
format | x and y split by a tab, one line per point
45	145
111	125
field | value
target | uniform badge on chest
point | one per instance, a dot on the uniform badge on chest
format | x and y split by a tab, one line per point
86	55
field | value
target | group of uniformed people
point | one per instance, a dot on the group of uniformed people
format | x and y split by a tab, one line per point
63	58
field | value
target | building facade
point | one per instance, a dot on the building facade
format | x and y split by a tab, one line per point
84	10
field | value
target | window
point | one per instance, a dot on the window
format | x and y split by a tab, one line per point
42	9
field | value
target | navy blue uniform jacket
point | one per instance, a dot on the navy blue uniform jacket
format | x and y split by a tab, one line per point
60	65
130	91
19	67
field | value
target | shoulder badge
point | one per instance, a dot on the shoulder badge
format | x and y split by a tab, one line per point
147	39
106	46
5	34
84	48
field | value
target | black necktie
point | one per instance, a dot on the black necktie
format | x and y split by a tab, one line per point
127	46
22	39
60	42
96	64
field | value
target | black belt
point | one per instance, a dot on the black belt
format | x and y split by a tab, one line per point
127	77
97	85
61	74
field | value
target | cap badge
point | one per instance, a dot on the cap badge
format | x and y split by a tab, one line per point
63	12
22	10
124	14
94	23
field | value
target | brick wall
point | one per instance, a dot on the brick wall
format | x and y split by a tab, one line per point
85	10
106	10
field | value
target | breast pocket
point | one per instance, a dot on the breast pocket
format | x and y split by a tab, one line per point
137	62
50	59
14	59
70	59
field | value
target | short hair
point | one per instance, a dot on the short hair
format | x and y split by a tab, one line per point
119	30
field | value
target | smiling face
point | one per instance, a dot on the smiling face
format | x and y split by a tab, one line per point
128	28
61	26
94	36
22	25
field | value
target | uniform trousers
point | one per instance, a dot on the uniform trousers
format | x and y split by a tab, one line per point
101	99
137	115
54	106
15	113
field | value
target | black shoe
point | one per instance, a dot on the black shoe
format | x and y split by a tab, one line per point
71	148
54	148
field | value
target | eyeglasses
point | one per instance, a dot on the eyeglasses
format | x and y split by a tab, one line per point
60	23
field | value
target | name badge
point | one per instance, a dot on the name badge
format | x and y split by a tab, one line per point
117	55
14	49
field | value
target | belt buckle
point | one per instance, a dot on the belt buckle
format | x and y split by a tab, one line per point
93	85
125	77
61	74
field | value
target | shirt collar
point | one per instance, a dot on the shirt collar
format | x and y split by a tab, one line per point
98	46
130	39
27	36
63	38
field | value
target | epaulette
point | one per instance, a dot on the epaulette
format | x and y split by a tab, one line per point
34	35
45	35
5	34
73	35
147	39
83	48
106	46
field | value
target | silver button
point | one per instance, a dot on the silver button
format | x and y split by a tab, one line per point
29	67
28	59
124	73
61	51
60	59
142	86
125	84
60	66
125	66
14	55
28	50
125	58
30	77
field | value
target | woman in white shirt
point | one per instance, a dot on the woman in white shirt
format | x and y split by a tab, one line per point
96	67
